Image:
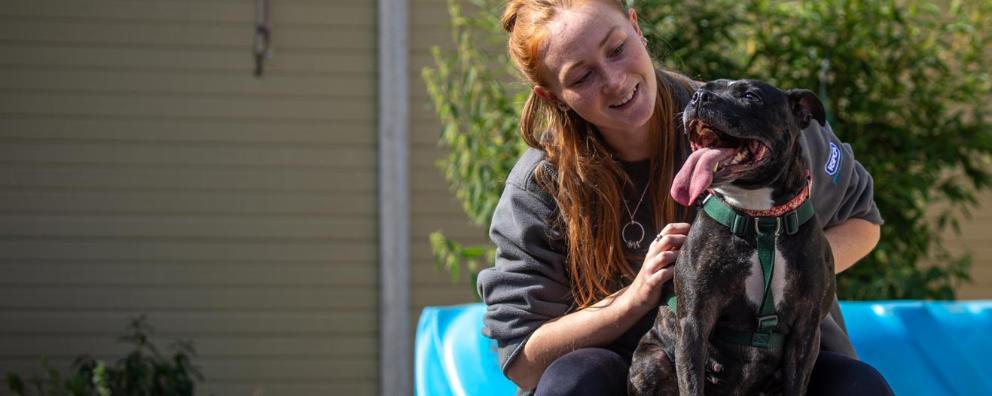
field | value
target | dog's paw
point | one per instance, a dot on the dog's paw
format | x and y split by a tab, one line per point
713	371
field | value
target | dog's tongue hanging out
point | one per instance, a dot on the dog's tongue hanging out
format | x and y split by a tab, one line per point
697	173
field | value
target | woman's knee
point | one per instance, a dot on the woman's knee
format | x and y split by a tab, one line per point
586	371
836	374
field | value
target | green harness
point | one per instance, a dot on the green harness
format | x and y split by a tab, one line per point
766	231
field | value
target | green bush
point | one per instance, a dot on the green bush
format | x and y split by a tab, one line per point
906	84
143	372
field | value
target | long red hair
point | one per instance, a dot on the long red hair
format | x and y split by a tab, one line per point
587	182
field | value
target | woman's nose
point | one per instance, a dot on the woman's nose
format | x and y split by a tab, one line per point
613	82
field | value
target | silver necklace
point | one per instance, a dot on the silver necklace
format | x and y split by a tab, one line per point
634	225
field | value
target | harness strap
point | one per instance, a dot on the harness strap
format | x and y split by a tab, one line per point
766	231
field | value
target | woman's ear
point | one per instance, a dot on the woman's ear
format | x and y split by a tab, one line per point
550	97
545	94
632	15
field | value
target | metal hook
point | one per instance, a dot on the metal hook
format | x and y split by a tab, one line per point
263	34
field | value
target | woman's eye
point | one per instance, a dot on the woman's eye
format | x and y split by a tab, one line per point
618	50
751	97
582	79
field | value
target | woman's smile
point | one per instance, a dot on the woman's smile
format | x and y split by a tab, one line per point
627	99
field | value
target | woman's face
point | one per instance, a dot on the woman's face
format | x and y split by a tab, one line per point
597	64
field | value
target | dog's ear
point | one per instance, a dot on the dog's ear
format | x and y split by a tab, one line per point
806	107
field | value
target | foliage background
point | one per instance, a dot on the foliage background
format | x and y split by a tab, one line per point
145	371
906	83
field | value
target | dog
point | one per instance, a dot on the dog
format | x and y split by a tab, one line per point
755	275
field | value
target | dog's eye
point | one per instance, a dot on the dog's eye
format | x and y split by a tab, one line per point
751	96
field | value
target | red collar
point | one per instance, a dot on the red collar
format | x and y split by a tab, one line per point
787	207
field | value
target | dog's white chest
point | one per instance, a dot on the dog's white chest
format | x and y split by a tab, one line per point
758	199
755	283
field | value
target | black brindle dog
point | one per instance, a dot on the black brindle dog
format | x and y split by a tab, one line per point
755	275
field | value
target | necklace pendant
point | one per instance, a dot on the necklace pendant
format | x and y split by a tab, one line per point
634	227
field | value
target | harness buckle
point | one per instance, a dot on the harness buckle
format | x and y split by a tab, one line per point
767	321
778	225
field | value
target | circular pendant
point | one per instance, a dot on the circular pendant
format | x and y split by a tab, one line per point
630	242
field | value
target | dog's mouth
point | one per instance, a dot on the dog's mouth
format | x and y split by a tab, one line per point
716	157
744	154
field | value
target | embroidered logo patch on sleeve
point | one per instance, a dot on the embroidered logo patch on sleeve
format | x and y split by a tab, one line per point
832	166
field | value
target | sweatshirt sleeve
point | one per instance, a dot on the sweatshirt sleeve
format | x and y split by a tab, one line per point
527	286
842	188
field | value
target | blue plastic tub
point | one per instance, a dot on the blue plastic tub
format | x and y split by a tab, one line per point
922	348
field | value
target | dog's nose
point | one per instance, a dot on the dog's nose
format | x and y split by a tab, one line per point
702	96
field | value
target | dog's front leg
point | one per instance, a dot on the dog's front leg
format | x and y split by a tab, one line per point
801	351
697	317
652	373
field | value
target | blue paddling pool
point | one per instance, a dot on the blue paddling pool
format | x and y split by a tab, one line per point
922	348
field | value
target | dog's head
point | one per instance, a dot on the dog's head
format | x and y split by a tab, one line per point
742	132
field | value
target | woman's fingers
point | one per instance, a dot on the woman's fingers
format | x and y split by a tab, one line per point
654	263
671	242
668	257
675	228
660	261
670	238
664	275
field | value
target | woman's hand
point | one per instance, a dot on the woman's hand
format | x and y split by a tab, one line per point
644	292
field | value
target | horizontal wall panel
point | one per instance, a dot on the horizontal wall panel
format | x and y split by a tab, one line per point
187	297
431	204
978	291
165	130
183	249
216	326
358	157
144	274
23	201
206	85
36	103
207	348
457	293
975	239
431	276
227	346
331	38
455	226
192	12
182	60
249	370
212	179
428	181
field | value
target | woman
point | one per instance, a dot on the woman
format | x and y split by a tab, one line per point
577	275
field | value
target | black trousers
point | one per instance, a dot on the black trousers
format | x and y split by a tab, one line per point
600	372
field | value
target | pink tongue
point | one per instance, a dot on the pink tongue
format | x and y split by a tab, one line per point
697	173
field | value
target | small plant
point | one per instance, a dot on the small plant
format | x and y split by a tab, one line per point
144	371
